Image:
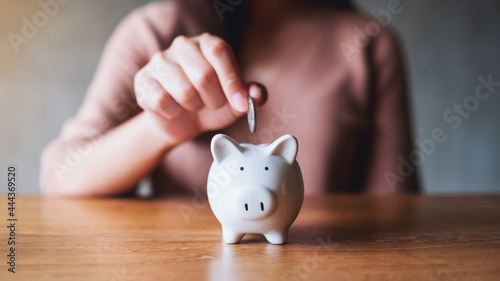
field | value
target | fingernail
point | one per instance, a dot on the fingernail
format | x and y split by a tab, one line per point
254	91
240	102
258	92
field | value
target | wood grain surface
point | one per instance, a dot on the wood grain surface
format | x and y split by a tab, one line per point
335	237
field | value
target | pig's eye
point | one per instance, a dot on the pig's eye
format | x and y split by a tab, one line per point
266	168
241	168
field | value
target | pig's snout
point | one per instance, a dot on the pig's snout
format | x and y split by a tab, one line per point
256	203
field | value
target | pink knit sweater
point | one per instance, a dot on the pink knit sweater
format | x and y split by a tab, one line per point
343	98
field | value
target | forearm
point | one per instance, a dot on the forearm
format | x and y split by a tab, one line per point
114	165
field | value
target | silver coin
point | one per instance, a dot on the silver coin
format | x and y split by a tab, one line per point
252	118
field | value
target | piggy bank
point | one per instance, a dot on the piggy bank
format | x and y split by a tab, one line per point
255	188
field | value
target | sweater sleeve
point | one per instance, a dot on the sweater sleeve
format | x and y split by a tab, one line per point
391	129
110	98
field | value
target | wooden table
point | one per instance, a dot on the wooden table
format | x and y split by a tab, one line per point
339	237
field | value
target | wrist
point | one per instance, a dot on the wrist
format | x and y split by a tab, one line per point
154	135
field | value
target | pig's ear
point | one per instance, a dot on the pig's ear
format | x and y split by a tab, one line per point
223	146
286	147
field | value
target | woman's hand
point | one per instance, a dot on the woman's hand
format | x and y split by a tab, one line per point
194	86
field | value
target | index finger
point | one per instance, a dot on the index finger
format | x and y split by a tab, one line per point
220	55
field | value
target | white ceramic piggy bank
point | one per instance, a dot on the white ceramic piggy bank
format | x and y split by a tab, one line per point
255	188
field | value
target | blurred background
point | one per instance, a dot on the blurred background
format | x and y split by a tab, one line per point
448	45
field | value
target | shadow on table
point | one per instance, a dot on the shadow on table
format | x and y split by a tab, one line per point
368	220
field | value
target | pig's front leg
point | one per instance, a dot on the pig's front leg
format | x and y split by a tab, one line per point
277	237
231	236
